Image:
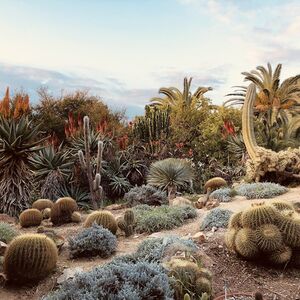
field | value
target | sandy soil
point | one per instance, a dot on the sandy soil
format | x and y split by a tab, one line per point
228	270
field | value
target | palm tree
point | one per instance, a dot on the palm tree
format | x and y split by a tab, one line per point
274	100
169	174
175	97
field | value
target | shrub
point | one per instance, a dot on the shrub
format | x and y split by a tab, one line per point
217	217
145	194
117	280
7	232
223	194
93	241
153	219
260	190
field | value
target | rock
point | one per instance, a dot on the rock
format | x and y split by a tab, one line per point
7	219
199	237
115	206
181	201
68	273
200	203
214	229
212	203
3	247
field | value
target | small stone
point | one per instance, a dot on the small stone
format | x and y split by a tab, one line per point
3	247
68	273
200	203
157	235
214	229
212	204
199	237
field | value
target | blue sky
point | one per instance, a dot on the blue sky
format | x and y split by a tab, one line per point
125	50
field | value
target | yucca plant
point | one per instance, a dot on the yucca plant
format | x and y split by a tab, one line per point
18	139
170	174
52	167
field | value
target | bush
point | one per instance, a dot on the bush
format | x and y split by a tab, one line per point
223	194
93	241
152	219
217	217
117	280
7	232
145	194
260	190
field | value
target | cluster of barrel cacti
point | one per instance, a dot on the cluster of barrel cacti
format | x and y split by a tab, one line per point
267	232
127	223
190	281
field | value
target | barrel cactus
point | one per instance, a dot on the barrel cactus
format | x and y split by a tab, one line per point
41	204
104	218
29	257
62	210
30	217
76	217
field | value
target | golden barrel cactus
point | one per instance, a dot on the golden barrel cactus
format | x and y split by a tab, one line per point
30	217
41	204
103	218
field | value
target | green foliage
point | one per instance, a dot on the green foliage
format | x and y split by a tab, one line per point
29	257
260	190
152	219
93	241
7	232
145	194
103	218
217	217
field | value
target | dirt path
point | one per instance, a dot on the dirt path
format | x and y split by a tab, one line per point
224	262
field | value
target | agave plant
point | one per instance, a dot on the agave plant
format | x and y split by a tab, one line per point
274	100
18	139
175	97
169	174
52	167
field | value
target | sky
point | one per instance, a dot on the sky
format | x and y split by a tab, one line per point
125	50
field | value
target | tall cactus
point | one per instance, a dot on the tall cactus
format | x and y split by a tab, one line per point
94	180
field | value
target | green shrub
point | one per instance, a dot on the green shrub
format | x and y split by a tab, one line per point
145	194
117	280
152	219
260	190
93	241
217	217
223	194
7	232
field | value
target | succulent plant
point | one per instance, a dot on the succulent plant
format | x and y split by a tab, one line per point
30	217
282	205
41	204
269	237
46	213
235	221
127	223
62	210
29	257
230	236
280	256
245	243
104	218
290	228
76	217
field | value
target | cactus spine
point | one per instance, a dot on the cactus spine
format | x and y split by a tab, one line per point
96	189
29	257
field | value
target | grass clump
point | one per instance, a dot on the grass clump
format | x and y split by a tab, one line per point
260	190
152	219
93	241
217	217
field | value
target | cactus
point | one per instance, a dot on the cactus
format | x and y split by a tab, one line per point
126	223
186	297
290	228
245	243
96	189
76	217
212	184
235	221
103	218
230	236
129	217
62	210
259	215
46	213
30	217
280	256
29	257
268	237
203	285
41	204
282	205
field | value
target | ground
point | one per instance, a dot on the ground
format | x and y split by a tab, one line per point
228	270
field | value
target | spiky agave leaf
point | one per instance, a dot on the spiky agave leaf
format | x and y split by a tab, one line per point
18	140
170	172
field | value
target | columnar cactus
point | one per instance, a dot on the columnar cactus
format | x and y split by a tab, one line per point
96	189
126	223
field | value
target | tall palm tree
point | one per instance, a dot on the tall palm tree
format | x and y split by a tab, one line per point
274	100
174	96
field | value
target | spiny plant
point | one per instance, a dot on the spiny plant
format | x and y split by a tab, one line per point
18	141
282	205
76	217
7	232
96	189
62	210
41	204
213	184
127	223
46	213
170	174
29	257
30	217
103	218
245	243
